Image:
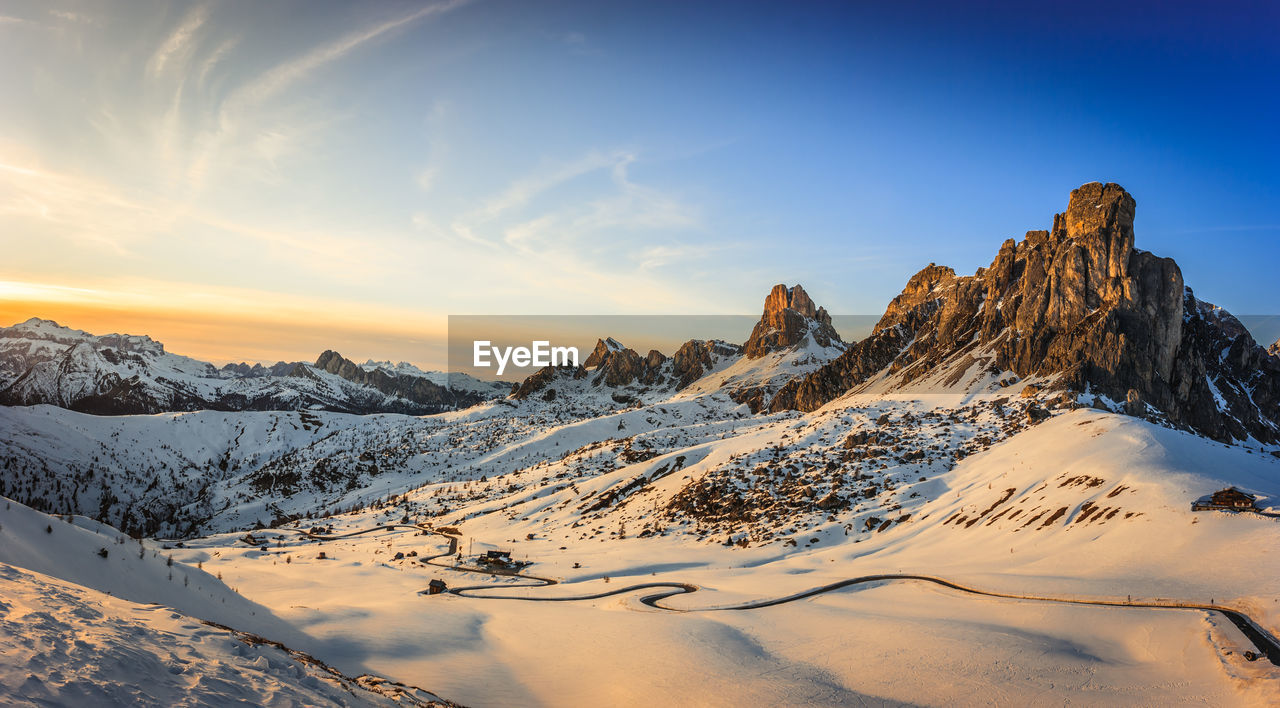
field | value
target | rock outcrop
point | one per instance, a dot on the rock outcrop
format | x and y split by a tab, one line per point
1078	305
613	365
789	317
1275	348
696	357
617	365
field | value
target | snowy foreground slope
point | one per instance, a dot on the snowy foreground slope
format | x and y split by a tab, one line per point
91	617
63	644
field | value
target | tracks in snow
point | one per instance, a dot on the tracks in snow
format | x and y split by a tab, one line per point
1266	644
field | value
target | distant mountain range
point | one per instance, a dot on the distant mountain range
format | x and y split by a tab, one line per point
44	362
1076	311
1074	317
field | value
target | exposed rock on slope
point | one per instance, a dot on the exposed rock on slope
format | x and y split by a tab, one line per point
617	365
789	316
614	365
1078	304
247	371
1275	348
696	357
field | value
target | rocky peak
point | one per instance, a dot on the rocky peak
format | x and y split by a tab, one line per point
50	331
257	370
920	288
611	364
1103	211
1078	304
789	316
334	363
618	365
604	348
782	298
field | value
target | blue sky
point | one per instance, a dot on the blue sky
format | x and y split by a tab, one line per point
253	180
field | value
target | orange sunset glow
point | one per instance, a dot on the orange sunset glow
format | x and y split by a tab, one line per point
231	326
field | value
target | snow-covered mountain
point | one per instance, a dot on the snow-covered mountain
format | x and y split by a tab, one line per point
1040	430
43	362
181	474
1075	309
793	337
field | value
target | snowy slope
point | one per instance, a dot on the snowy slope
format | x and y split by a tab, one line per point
768	372
66	645
140	571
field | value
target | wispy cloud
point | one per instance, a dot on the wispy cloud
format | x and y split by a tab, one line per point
180	43
284	75
214	59
655	257
437	118
610	244
621	206
523	190
81	208
86	212
68	16
249	99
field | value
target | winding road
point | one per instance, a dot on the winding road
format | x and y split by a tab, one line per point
1266	644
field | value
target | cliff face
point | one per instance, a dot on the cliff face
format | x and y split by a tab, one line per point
1080	305
789	316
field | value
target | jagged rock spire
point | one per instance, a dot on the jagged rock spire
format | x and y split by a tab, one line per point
789	316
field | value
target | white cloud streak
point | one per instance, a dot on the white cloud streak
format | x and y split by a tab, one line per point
180	43
248	99
281	77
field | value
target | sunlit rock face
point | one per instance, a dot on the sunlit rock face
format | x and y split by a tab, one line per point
1081	305
789	316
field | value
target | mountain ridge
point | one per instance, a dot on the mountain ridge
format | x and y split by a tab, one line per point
1081	310
44	362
